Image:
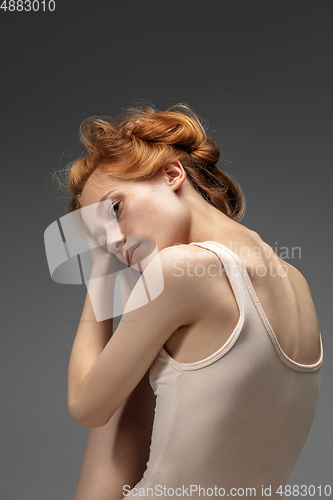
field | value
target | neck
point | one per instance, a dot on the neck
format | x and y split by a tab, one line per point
207	223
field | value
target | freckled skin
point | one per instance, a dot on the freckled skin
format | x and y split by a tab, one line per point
166	210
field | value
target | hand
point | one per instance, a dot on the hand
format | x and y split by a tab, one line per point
103	262
102	282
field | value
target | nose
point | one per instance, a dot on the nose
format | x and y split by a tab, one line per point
114	240
114	246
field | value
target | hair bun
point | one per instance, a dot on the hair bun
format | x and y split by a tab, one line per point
178	127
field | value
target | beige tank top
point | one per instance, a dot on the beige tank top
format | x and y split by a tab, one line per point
237	419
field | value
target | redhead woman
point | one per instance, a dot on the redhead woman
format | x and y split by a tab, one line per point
209	388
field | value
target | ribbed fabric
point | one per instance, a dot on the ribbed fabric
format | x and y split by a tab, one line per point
236	419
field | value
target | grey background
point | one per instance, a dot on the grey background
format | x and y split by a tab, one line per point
260	72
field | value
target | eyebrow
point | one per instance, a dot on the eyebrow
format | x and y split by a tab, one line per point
99	208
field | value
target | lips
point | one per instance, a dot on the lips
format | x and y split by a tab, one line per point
129	253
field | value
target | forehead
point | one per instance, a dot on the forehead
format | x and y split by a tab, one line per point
97	186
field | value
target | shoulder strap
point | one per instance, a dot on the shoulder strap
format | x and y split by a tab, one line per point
239	278
231	266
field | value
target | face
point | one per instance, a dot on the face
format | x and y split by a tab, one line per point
132	219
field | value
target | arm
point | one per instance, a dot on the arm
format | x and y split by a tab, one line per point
100	387
92	336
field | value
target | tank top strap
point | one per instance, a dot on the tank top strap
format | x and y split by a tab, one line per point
239	279
248	302
225	254
233	265
234	269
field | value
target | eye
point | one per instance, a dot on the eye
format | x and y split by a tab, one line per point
114	209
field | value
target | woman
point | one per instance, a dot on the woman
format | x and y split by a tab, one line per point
216	379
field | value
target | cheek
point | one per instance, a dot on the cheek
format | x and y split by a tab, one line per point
136	221
149	216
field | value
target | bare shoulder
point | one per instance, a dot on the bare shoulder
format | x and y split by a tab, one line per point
188	273
184	261
176	279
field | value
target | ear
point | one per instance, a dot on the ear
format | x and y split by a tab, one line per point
174	174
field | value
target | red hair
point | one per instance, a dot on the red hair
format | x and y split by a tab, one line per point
136	147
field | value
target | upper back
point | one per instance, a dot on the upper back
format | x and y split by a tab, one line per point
286	298
281	290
